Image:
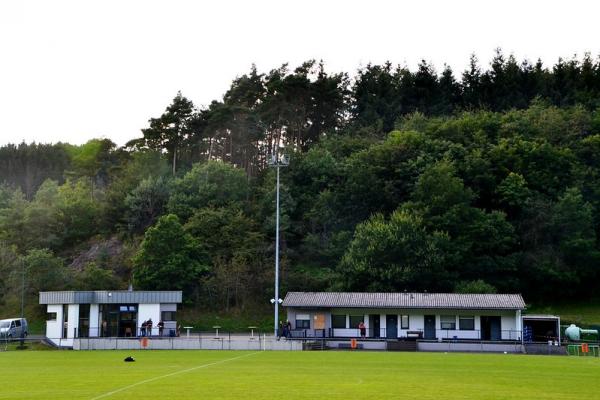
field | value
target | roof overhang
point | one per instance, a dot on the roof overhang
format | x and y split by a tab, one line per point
421	301
541	317
111	297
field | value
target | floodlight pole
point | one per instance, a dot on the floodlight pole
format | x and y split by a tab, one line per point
276	327
277	163
22	288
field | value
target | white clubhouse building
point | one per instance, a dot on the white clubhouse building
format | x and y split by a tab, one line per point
106	313
426	316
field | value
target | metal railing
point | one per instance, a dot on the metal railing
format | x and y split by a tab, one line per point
383	333
125	332
189	339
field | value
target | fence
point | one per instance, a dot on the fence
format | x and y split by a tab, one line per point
7	344
583	349
131	332
383	333
188	339
193	342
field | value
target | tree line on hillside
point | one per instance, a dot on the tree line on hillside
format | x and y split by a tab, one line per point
392	185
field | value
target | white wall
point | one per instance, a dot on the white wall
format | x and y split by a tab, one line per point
94	328
73	322
147	311
519	323
508	326
53	328
350	332
382	324
509	321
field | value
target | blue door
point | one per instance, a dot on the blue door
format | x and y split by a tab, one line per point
391	326
429	327
495	330
491	328
375	331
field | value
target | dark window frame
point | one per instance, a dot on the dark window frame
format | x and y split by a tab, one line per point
303	324
333	321
402	325
168	315
446	325
357	319
462	318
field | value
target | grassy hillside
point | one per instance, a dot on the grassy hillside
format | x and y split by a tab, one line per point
583	314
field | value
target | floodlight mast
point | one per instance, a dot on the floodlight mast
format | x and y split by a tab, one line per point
276	163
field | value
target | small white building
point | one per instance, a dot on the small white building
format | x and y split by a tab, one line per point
392	316
106	313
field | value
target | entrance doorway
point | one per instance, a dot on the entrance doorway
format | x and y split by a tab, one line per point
84	320
429	327
375	325
121	320
65	327
391	326
491	328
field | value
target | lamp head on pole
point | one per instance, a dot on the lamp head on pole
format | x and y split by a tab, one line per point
279	161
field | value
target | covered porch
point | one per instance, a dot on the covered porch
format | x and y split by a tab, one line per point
405	316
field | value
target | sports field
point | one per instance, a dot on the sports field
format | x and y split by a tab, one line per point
294	375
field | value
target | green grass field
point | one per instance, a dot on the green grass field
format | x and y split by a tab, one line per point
294	375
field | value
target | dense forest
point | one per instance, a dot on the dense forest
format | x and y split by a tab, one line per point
398	180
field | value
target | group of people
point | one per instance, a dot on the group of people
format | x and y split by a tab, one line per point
285	330
146	328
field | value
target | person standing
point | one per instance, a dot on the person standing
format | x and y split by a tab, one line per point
161	326
280	330
285	331
149	327
363	330
143	329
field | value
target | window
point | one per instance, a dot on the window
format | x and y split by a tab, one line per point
302	321
355	320
168	316
84	320
448	322
18	322
404	322
338	321
466	323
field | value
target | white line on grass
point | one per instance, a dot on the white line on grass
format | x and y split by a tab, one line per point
171	374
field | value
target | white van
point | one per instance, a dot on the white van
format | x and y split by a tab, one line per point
13	327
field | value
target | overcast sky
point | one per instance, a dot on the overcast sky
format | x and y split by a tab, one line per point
75	70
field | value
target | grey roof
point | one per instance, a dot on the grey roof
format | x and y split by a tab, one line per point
110	297
404	300
541	316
